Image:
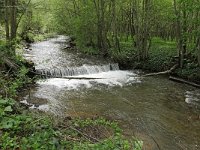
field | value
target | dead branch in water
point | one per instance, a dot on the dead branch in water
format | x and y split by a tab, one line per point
162	73
184	81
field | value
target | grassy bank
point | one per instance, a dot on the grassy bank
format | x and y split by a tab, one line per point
24	129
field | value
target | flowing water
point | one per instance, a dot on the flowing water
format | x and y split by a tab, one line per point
162	113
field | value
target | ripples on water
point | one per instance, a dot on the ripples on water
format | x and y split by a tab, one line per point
163	113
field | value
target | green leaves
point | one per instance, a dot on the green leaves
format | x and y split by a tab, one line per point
138	145
6	106
8	109
3	102
7	123
6	102
24	132
30	134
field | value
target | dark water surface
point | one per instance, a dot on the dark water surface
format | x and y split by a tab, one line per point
162	113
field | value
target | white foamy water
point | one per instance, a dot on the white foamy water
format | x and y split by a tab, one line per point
110	78
192	97
51	89
53	61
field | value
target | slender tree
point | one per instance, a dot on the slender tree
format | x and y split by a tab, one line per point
179	33
13	21
7	29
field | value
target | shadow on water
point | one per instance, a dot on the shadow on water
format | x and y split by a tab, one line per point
162	113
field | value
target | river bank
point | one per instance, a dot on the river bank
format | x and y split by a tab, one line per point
21	128
162	57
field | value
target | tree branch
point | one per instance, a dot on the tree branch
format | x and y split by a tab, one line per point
161	73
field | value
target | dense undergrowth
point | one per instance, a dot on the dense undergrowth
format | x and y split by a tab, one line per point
23	129
20	131
161	58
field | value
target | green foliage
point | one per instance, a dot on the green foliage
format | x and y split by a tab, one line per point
79	23
6	106
190	72
24	132
35	23
41	37
11	80
2	13
126	54
6	49
10	85
20	79
89	50
160	55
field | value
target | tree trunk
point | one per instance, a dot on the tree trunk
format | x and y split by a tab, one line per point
184	29
13	19
7	29
103	28
101	31
198	50
115	34
179	35
142	28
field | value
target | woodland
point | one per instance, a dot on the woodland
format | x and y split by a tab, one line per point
155	35
139	33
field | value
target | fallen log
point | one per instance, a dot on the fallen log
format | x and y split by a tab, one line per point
184	81
162	73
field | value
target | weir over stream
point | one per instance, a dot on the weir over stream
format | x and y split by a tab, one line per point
74	71
162	113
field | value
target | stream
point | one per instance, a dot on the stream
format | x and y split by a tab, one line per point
162	113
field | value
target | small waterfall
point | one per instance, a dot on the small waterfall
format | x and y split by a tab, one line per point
74	71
